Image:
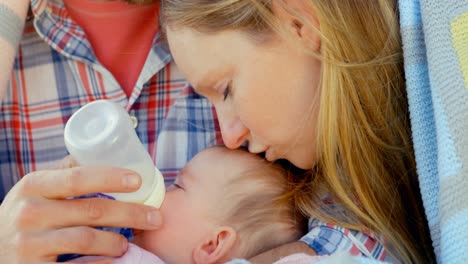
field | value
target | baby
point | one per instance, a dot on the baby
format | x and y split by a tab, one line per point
224	204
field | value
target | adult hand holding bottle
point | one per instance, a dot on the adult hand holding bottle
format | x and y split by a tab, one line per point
39	222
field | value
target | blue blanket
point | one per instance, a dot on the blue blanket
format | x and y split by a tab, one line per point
435	43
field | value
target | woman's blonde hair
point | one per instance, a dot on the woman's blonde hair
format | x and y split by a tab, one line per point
365	152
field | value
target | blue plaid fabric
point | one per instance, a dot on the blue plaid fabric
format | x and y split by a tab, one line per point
327	239
56	72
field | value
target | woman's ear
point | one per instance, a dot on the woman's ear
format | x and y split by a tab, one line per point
216	247
300	19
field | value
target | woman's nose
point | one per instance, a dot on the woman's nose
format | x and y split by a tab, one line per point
233	131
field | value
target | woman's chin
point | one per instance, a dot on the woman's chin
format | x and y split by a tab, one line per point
303	164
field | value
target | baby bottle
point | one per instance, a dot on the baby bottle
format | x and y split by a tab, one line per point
101	133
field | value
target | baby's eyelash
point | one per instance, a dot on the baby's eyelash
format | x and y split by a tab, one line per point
227	91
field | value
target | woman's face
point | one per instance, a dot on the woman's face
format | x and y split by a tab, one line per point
265	94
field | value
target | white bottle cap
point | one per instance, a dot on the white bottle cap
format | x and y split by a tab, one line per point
101	133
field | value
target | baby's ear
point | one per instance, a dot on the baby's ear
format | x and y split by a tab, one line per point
217	246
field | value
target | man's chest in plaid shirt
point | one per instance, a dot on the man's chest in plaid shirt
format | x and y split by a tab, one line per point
48	85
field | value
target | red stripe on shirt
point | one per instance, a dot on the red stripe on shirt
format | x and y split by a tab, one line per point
16	119
85	79
27	120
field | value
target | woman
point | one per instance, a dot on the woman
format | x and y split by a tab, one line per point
319	83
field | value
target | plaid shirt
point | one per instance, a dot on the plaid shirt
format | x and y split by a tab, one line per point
327	239
56	72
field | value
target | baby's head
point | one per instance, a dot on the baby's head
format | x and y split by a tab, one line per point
224	204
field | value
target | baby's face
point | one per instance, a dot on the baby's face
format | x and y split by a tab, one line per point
188	206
